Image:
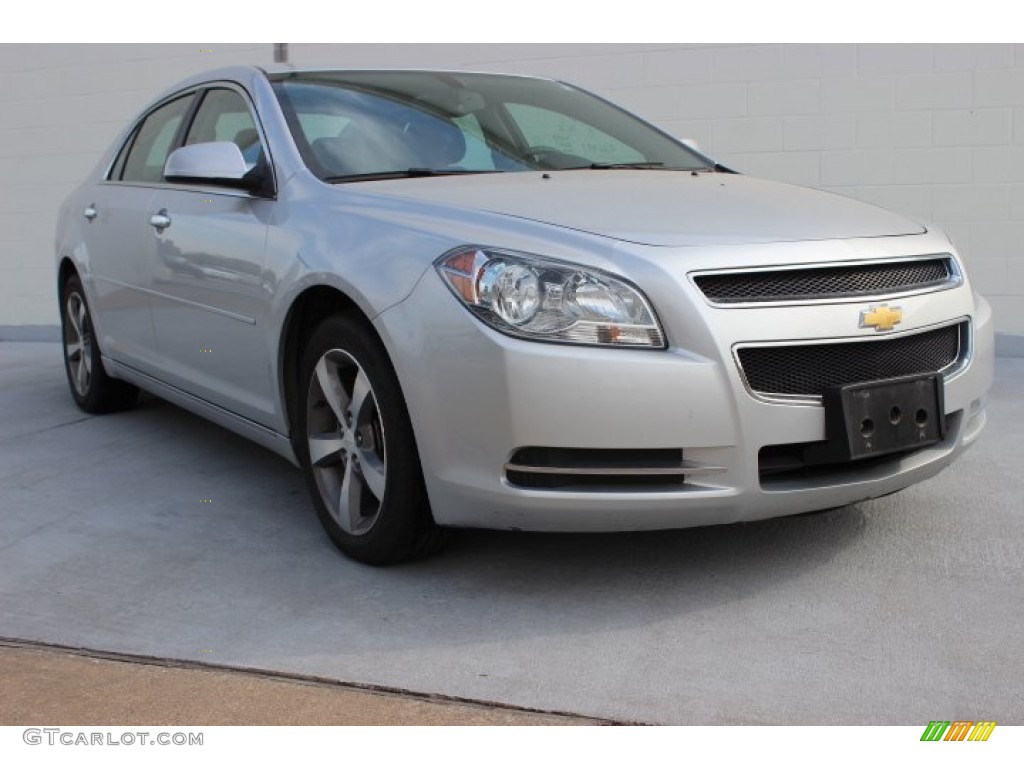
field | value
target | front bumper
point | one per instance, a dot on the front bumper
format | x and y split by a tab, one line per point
476	396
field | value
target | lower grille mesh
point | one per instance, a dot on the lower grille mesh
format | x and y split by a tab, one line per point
809	369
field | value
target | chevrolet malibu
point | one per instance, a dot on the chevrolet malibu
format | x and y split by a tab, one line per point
461	299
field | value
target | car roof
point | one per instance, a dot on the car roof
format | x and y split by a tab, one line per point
286	69
246	73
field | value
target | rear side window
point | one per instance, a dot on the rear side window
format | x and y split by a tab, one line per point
224	116
153	141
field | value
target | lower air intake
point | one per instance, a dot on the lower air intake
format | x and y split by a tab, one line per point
807	370
598	468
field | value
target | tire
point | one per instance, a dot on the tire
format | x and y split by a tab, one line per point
356	446
93	390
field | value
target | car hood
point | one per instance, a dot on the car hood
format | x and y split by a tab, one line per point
670	208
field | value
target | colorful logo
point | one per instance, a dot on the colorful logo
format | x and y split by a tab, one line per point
958	730
881	317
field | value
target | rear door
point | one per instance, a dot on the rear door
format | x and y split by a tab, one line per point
120	241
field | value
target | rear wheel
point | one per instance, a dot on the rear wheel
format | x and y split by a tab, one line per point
357	448
93	390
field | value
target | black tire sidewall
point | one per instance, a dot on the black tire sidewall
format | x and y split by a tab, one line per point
105	393
90	401
405	513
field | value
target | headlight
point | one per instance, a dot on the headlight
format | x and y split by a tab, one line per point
536	298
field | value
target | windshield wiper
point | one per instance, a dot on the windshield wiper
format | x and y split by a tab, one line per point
408	173
642	164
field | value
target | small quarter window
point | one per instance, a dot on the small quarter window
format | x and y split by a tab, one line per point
118	167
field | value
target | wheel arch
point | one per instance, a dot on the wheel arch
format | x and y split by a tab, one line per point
65	270
310	308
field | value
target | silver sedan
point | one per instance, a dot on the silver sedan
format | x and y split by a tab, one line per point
461	299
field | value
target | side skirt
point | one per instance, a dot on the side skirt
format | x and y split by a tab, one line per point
248	429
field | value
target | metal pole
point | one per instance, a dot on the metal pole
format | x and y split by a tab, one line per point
280	53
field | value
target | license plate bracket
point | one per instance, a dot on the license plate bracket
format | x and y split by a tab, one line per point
874	418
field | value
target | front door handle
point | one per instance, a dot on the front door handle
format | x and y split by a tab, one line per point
90	212
160	221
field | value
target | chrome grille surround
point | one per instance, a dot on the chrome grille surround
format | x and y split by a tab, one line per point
828	282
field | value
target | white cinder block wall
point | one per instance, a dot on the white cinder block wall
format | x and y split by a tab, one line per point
933	131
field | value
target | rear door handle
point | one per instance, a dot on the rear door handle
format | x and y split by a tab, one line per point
160	221
90	212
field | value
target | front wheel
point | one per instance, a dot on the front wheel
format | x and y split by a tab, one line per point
357	448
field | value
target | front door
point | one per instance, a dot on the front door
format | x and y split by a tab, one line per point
210	303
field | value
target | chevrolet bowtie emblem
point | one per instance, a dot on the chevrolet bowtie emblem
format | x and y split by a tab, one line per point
881	318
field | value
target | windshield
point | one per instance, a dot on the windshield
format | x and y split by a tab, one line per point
359	125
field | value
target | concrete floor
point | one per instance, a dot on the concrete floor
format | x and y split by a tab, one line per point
897	611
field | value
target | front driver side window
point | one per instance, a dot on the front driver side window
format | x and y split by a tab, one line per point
153	142
224	116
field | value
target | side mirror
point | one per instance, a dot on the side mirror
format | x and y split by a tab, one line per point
215	162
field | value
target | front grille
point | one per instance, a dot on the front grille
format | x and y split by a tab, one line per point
824	282
807	370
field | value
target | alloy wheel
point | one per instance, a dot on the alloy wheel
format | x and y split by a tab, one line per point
78	343
346	441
